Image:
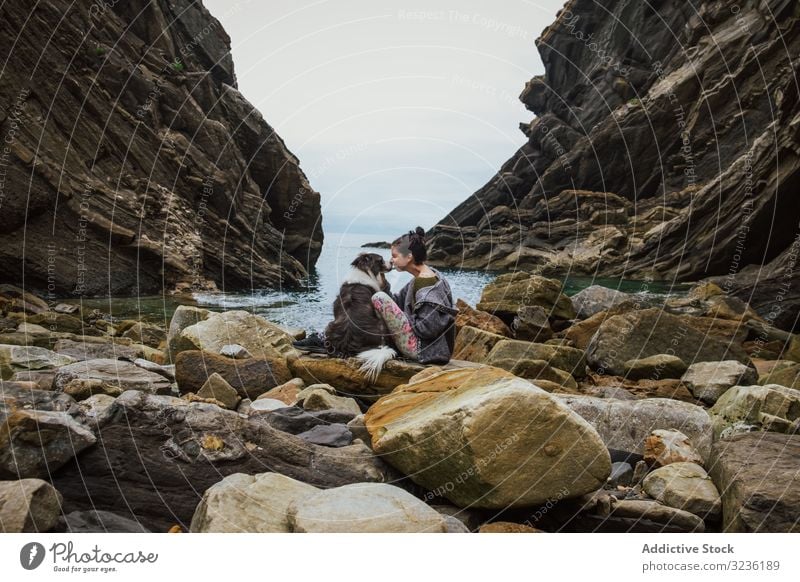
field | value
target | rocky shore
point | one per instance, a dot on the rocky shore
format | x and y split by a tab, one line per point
603	411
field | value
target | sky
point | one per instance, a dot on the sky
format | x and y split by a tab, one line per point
397	111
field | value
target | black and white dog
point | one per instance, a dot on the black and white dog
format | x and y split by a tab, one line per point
357	329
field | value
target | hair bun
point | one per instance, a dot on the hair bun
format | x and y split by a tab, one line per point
420	231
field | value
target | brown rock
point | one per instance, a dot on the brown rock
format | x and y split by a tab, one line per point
757	477
467	315
286	392
474	344
251	377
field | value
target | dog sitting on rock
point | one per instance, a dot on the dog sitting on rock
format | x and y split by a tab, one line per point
357	329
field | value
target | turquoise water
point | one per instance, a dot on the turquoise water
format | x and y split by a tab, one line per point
311	307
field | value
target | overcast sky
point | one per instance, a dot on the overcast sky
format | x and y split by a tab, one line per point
398	111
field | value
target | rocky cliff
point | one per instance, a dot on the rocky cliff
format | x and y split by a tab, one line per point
130	163
666	144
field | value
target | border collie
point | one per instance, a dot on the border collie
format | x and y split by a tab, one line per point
357	329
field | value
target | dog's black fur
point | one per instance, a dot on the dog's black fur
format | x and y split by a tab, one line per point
356	326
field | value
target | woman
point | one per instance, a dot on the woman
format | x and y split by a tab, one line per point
421	316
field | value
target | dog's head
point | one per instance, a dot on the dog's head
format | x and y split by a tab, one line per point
370	263
373	265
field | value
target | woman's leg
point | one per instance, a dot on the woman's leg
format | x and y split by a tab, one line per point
398	324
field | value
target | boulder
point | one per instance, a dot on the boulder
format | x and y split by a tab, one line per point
663	447
15	359
646	510
786	374
685	486
235	351
649	332
217	388
482	437
772	408
655	367
147	334
320	399
13	298
625	424
328	435
250	377
28	506
467	316
507	293
286	392
184	316
531	324
83	388
474	344
249	504
258	336
709	380
35	443
363	508
595	299
120	373
511	352
757	476
539	372
110	349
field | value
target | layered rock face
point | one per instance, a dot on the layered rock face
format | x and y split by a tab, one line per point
130	162
665	145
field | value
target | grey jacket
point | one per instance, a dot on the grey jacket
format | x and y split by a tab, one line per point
433	318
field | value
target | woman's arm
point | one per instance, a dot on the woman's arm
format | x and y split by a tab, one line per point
430	320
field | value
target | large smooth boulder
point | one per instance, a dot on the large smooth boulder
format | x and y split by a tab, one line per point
507	293
625	424
15	359
709	380
483	437
364	508
756	474
28	506
648	332
685	486
126	375
273	503
258	336
772	408
251	377
249	504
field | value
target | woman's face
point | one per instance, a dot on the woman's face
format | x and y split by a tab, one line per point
399	261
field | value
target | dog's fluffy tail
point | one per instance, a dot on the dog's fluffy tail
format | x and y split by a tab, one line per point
373	361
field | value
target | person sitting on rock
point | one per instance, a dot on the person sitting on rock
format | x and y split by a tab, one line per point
421	316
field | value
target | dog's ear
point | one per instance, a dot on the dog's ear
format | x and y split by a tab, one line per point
370	263
363	262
